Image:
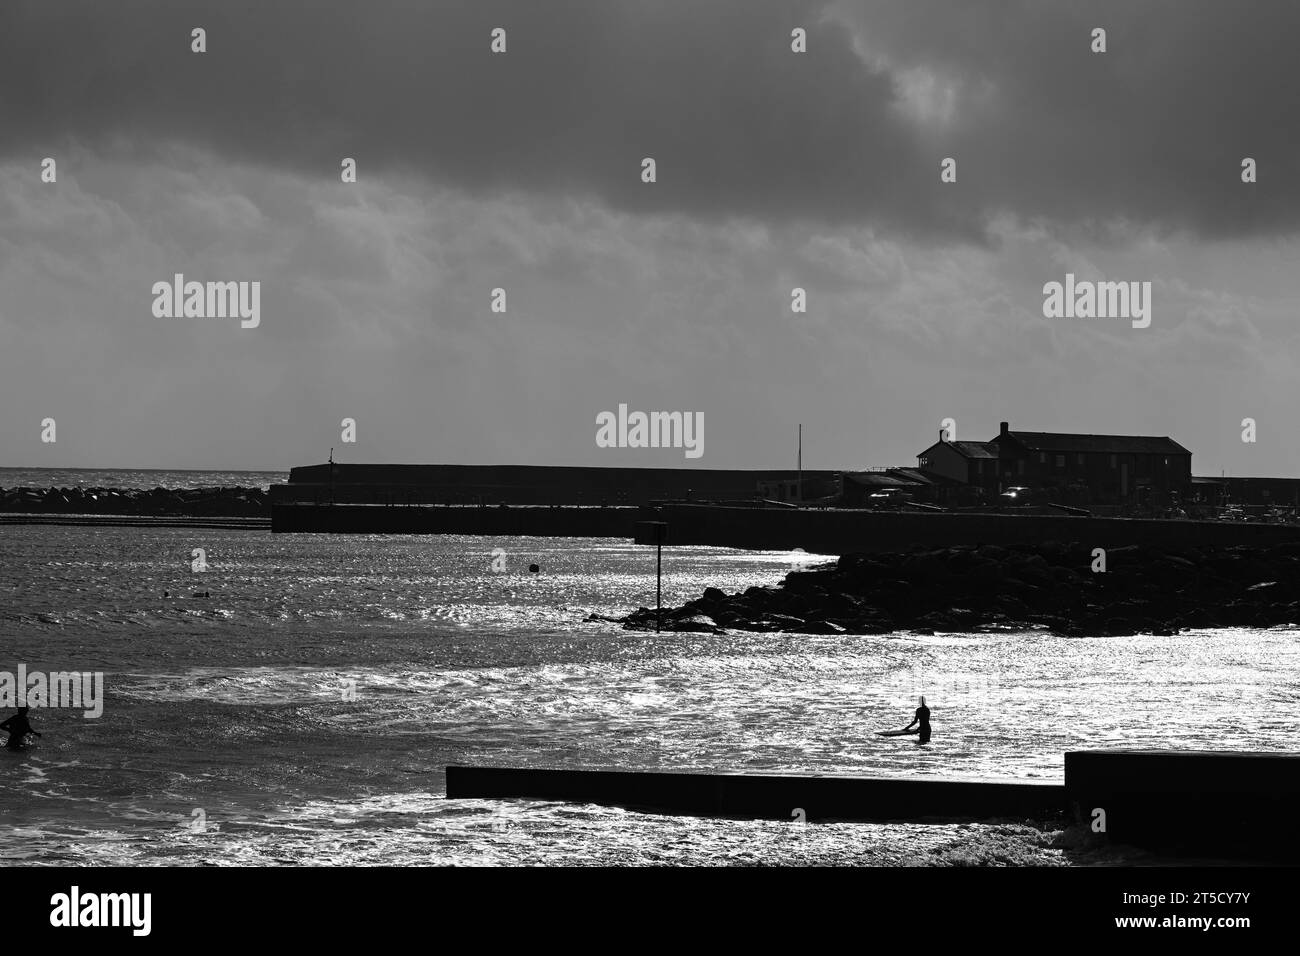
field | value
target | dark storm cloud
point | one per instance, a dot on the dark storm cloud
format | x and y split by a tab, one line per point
1152	131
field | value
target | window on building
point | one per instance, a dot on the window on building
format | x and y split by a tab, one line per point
1060	461
1114	463
1079	459
1042	457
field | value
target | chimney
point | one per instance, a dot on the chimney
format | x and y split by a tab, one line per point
1004	428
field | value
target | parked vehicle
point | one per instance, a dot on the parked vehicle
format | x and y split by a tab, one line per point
888	498
1020	495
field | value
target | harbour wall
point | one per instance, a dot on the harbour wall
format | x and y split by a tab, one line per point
838	531
546	522
529	484
817	531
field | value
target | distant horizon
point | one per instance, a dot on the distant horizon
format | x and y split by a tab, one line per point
521	464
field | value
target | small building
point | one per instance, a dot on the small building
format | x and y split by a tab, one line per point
870	489
799	490
972	463
892	486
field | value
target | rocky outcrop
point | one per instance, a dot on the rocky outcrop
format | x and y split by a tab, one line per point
987	587
191	502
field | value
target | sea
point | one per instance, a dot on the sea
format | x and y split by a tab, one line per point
305	710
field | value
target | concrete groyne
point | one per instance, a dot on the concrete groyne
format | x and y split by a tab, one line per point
1187	803
1195	803
765	796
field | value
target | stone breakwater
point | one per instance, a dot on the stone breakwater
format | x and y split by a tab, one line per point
189	502
988	587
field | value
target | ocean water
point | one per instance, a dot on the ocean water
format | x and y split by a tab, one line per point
138	478
305	712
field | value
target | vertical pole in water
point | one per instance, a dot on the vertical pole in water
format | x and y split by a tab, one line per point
659	583
800	463
654	532
331	476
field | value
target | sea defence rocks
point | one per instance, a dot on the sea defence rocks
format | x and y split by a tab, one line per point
194	502
989	587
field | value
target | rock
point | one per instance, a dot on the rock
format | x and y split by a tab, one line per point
784	622
712	596
802	580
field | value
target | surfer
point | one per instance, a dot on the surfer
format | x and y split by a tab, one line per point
18	728
923	718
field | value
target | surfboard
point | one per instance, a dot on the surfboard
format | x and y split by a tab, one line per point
896	733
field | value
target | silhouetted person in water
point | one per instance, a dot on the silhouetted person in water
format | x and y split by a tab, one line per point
922	717
18	728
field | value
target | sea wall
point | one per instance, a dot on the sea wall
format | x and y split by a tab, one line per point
838	531
527	484
814	530
550	522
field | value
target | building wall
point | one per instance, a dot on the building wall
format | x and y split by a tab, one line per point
1098	477
943	459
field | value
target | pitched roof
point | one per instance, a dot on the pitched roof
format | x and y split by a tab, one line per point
925	477
1111	444
975	449
878	479
968	449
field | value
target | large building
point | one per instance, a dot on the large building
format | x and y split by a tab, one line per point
1075	469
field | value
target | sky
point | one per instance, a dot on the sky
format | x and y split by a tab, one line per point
522	170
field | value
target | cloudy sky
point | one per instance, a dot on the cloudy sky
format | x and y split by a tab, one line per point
522	171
